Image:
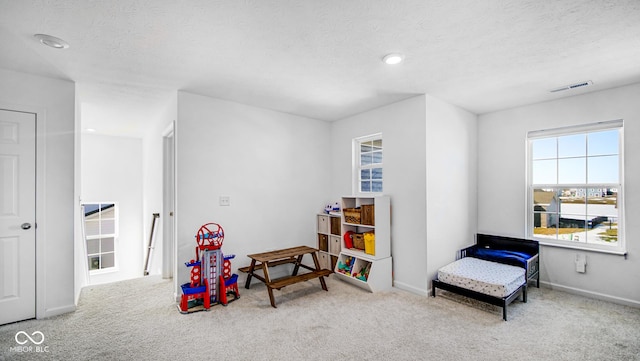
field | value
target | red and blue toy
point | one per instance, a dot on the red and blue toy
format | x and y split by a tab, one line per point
211	278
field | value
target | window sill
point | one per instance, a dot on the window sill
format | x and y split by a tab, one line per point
103	271
617	252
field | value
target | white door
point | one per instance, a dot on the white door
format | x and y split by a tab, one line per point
17	216
168	205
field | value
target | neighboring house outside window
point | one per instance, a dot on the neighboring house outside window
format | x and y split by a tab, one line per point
100	230
575	187
368	164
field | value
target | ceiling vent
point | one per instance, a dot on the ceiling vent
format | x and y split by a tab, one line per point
572	86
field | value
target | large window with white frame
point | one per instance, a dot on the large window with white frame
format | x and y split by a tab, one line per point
367	170
100	233
575	187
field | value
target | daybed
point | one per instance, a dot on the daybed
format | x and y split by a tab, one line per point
495	270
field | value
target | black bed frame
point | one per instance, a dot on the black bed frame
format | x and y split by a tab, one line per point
532	269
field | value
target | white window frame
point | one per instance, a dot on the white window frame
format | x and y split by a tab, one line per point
100	235
357	167
620	247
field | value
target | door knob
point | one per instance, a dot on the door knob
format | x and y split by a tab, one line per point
25	225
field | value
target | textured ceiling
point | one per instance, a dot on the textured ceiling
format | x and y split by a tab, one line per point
321	59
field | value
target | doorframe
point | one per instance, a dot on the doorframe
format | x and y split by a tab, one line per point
169	236
40	206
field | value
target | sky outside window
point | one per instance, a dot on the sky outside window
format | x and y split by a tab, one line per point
576	159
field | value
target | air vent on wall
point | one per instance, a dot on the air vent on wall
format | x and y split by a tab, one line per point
572	86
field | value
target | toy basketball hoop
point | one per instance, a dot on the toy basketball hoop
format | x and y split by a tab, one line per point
210	236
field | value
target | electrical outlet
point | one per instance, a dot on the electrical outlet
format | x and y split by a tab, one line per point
225	201
581	263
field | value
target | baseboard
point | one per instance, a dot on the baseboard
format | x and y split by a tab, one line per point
408	288
591	294
50	312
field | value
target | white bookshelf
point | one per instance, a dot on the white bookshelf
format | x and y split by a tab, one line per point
378	261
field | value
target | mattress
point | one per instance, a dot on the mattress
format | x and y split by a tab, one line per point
490	278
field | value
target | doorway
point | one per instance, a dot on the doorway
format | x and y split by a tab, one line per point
168	203
17	215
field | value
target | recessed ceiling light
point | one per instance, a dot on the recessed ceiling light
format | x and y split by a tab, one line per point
52	41
90	130
393	58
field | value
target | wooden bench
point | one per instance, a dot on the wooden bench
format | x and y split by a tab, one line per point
263	261
286	281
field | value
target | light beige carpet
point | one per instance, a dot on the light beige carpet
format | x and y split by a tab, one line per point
138	320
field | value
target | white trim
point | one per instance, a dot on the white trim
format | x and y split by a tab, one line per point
415	290
168	131
590	247
176	164
169	232
591	294
618	249
585	128
102	271
56	311
355	164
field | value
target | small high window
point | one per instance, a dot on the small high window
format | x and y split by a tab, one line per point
368	164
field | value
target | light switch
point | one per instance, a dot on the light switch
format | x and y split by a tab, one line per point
225	201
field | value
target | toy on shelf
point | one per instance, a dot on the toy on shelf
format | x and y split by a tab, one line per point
370	243
363	274
348	239
211	278
332	208
346	266
328	208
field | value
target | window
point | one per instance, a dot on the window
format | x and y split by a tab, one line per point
575	187
100	235
368	164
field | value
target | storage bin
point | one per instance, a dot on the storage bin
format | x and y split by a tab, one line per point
335	225
323	242
334	244
358	241
370	243
352	215
368	214
323	224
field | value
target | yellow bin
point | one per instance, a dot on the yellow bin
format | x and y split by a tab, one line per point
370	243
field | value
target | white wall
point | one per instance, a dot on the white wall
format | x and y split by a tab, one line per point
53	100
502	187
112	172
451	143
273	166
403	128
429	173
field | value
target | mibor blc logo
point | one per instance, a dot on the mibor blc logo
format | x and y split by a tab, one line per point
27	338
29	343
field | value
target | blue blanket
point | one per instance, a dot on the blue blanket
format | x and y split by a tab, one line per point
502	256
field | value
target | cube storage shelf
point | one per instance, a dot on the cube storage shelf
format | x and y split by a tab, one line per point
328	229
373	270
